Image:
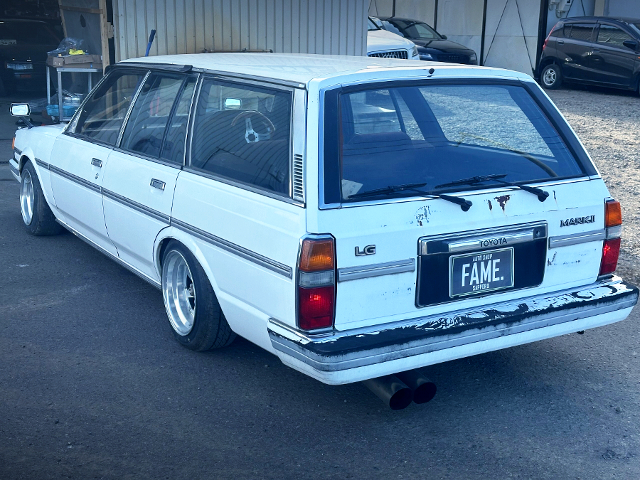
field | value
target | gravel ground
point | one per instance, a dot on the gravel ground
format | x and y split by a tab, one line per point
607	123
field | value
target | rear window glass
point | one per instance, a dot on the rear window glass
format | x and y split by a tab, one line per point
27	33
444	133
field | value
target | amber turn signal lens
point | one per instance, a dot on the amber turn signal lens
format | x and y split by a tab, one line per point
317	255
612	214
13	143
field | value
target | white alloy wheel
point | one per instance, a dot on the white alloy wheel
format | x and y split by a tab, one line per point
179	292
27	197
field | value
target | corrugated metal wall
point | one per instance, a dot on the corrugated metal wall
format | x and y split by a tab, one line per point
193	26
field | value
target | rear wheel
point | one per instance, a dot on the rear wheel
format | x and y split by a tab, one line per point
192	307
37	216
551	77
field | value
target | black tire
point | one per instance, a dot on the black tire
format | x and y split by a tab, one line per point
192	307
37	216
551	77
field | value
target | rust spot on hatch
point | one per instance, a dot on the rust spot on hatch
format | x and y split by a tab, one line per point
422	215
490	205
502	200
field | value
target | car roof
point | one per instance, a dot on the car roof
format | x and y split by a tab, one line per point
303	68
598	19
402	19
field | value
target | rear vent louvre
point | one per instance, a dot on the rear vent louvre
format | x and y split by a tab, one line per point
298	178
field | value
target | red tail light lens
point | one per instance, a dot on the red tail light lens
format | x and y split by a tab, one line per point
547	39
610	254
611	246
315	307
316	283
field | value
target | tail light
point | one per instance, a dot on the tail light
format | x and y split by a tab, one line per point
316	283
544	45
611	246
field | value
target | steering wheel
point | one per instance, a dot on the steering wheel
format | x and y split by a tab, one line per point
250	135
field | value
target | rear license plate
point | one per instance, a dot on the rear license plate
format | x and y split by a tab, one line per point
482	272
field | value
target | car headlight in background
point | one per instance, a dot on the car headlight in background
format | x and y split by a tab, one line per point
414	52
426	56
473	58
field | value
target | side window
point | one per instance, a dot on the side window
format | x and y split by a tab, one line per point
146	125
242	132
581	31
612	36
173	146
103	114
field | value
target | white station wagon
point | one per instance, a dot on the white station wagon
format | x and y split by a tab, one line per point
358	217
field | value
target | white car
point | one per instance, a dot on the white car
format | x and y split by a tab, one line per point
384	44
358	217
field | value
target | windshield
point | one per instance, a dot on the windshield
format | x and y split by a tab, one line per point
26	32
371	25
440	134
411	29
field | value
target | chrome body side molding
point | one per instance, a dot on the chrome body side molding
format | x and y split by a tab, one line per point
42	163
137	206
577	238
245	253
376	269
75	178
118	260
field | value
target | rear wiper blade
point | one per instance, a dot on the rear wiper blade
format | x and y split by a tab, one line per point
387	190
541	194
413	188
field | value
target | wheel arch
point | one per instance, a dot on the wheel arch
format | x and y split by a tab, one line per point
545	62
187	241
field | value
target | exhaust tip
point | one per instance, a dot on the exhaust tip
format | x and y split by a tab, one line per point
401	399
391	390
425	392
423	389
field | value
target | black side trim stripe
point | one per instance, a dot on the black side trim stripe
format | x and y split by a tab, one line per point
42	163
17	150
254	257
137	206
75	178
247	254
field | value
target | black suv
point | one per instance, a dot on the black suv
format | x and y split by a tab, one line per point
594	50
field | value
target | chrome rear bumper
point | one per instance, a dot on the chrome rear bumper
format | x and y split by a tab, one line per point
353	355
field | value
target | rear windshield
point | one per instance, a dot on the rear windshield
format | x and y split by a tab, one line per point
440	134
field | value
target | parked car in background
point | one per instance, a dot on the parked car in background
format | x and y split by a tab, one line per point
384	44
357	217
23	53
592	50
431	45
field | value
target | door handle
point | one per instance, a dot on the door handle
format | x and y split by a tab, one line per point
560	42
159	184
96	162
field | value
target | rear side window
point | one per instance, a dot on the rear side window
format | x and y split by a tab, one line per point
581	31
146	125
103	114
440	134
612	36
241	132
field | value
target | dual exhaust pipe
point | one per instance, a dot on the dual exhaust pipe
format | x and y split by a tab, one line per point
399	390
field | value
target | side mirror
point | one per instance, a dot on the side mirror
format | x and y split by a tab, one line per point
632	44
444	37
20	109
